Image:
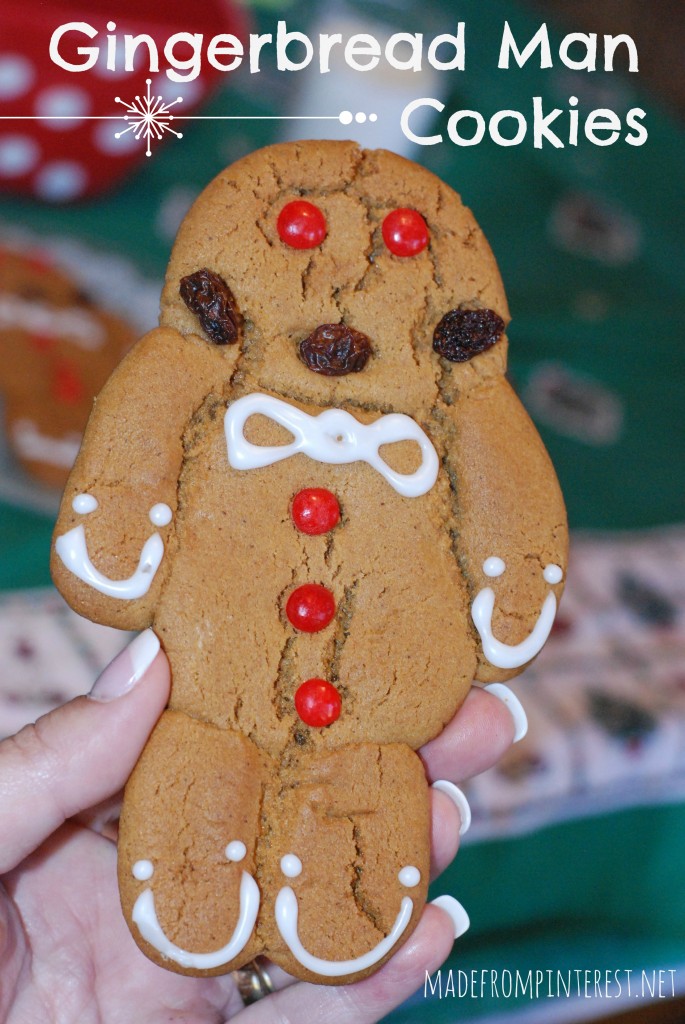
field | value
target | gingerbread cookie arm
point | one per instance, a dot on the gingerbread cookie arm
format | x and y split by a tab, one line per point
116	520
511	523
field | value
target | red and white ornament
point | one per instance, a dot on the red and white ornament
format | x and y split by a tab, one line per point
63	145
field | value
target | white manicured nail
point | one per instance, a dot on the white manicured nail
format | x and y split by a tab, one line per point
514	705
128	668
458	798
453	907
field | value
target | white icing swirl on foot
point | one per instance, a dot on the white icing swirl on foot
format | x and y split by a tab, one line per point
286	918
514	655
236	851
143	870
334	437
145	916
291	865
493	566
73	550
409	876
160	514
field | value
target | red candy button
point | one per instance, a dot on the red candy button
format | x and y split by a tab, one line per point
315	510
67	386
310	608
317	702
301	225
405	232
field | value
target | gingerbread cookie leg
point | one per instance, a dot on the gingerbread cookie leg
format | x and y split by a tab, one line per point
345	863
187	847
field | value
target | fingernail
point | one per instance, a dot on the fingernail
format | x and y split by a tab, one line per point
515	706
122	674
457	797
460	919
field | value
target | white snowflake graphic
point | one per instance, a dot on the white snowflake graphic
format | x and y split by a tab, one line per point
149	116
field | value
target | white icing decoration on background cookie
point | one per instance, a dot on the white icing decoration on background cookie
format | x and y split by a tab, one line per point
334	437
514	655
160	514
236	850
493	566
409	876
84	503
291	865
34	446
145	916
73	550
286	918
75	325
143	870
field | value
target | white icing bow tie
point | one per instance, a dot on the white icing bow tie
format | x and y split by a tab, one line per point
334	436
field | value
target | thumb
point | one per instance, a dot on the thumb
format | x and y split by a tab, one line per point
80	753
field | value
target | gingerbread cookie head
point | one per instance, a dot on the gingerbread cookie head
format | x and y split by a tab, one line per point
57	349
351	277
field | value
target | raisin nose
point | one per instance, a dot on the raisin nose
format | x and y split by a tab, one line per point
335	350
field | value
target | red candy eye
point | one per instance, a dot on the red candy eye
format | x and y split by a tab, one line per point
310	608
317	702
315	510
405	232
301	225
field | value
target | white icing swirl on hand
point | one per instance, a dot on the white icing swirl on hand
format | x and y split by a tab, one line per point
334	437
514	655
84	504
286	918
145	916
73	550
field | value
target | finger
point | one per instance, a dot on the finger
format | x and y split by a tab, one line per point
477	737
82	753
103	817
366	1001
445	825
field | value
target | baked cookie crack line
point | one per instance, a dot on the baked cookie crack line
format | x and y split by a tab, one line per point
144	915
287	911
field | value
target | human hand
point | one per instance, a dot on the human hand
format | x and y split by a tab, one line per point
65	950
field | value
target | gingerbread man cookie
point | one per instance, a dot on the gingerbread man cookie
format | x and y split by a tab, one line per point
57	349
316	485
